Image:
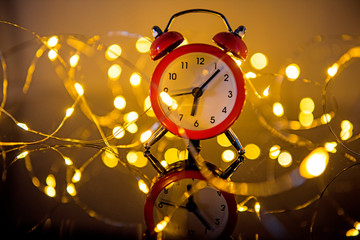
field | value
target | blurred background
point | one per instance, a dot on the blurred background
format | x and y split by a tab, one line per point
75	112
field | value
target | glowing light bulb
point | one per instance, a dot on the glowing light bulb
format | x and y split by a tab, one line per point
79	89
50	180
242	208
23	126
143	187
68	161
285	159
223	141
114	72
162	224
69	112
252	151
292	71
109	159
145	136
132	128
315	163
330	147
306	119
143	45
120	102
113	52
131	157
325	118
74	60
22	155
164	163
77	176
147	107
228	155
171	155
278	109
259	61
70	188
135	79
257	207
333	70
165	97
52	41
352	232
131	116
50	191
250	75
118	132
52	54
357	225
307	105
266	91
274	151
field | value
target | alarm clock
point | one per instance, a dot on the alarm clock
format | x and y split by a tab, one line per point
197	91
190	207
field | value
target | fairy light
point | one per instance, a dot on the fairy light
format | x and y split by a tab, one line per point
22	155
252	151
285	159
120	102
352	232
77	176
315	163
266	91
164	163
143	187
74	60
165	98
52	55
292	71
23	126
132	128
278	109
147	107
250	75
114	71
258	61
346	130
274	151
145	136
242	208
306	119
357	225
333	70
50	191
330	147
135	79
131	116
52	41
69	112
171	155
109	159
307	105
118	132
71	190
68	161
228	155
162	224
143	45
113	52
79	89
223	141
325	118
131	157
257	207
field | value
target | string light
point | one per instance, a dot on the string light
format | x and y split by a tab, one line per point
292	71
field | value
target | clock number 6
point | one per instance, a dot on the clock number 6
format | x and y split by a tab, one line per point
196	123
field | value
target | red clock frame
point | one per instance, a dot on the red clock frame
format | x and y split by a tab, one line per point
206	133
187	174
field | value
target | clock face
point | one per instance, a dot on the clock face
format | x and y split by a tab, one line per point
194	209
197	91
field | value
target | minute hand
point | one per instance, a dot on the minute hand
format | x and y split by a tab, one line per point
209	80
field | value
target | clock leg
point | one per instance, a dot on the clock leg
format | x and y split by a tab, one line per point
236	143
157	135
193	150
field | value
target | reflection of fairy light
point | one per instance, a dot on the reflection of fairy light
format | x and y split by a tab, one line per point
259	61
315	163
278	109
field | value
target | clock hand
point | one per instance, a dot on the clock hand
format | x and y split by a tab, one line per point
168	203
194	106
191	206
209	80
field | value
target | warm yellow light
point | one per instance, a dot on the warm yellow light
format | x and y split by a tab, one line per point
169	101
162	224
252	151
164	163
258	61
70	188
325	118
315	163
274	151
242	208
352	232
135	79
69	112
183	154
113	52
145	136
68	161
147	106
50	191
278	109
306	119
131	116
120	102
35	181
50	180
307	105
79	89
52	41
23	126
223	141
285	159
257	207
118	132
345	134
346	125
250	75
140	160
357	225
131	157
143	45
292	71
132	128
238	61
330	147
333	70
143	187
266	91
109	159
77	176
114	72
171	155
22	155
228	155
52	54
74	60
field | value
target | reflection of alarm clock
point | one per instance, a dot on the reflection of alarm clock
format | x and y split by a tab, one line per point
191	207
197	91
